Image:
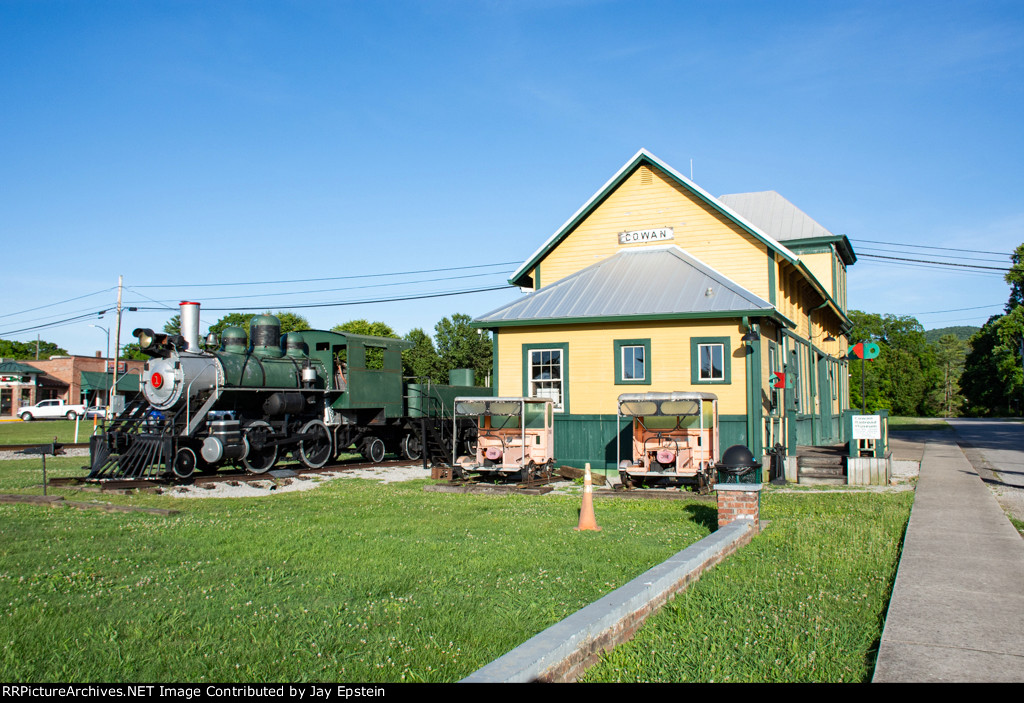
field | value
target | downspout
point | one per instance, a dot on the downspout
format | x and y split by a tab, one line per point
754	414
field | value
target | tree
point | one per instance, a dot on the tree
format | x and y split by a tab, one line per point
462	347
27	350
374	355
422	360
905	375
132	351
290	322
232	319
950	353
993	379
1015	277
173	326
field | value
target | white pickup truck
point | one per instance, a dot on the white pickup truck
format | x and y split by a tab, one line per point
50	410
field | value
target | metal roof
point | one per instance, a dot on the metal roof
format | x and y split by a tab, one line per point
645	282
775	215
13	368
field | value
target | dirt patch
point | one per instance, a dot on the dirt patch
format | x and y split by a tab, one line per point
270	485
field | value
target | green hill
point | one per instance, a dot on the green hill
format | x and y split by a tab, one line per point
962	333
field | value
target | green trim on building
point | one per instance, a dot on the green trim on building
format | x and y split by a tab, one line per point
695	342
564	347
617	346
494	361
755	408
642	157
771	276
770	313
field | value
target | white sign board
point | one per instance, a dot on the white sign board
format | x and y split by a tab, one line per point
867	426
646	235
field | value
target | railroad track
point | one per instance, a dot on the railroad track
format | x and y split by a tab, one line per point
22	447
240	476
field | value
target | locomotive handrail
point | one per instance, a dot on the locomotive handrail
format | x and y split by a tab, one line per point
188	397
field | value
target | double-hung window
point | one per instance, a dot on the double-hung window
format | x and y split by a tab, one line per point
710	360
633	361
545	375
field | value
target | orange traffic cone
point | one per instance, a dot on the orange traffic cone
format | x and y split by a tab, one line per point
587	519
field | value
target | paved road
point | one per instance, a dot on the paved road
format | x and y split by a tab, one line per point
995	449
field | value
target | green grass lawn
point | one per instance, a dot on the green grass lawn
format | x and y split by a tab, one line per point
354	581
805	601
918	424
361	581
43	431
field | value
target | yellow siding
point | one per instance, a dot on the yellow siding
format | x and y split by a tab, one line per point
650	199
591	360
821	266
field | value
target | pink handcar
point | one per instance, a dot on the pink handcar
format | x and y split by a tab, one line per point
674	439
515	438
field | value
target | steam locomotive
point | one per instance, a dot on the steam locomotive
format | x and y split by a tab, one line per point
310	394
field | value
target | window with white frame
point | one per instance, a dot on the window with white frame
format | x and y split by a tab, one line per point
545	375
632	361
633	364
712	362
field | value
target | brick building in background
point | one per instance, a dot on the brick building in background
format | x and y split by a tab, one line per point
73	379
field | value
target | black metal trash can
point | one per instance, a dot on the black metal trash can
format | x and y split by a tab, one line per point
737	465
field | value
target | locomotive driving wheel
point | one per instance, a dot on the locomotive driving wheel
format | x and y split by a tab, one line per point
261	456
184	463
412	448
317	450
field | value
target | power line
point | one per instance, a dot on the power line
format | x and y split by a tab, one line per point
960	257
330	290
61	302
924	246
368	301
939	263
332	278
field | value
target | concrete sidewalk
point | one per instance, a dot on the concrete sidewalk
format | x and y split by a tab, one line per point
957	608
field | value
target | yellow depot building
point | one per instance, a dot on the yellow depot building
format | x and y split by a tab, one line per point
656	285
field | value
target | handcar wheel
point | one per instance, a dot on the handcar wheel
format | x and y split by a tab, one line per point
260	458
373	449
317	451
184	464
412	448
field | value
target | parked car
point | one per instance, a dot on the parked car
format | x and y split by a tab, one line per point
99	411
51	410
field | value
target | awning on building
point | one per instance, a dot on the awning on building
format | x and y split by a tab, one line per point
99	381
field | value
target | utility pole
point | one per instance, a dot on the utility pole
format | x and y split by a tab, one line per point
117	349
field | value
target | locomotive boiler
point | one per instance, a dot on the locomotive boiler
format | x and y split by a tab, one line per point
250	403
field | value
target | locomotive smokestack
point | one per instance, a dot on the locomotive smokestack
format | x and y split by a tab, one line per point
190	325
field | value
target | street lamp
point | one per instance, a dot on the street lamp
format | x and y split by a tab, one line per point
100	327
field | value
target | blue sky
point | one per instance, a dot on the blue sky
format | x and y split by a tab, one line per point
188	143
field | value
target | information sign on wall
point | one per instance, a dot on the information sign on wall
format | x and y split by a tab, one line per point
867	426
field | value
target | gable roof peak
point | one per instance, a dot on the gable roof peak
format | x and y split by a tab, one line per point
518	277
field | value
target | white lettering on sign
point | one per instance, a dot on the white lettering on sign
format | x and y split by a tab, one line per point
646	235
867	426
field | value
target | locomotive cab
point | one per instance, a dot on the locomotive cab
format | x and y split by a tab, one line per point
515	437
674	439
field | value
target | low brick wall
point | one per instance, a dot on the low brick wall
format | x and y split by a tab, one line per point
562	652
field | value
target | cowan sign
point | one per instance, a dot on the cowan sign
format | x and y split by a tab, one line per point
646	235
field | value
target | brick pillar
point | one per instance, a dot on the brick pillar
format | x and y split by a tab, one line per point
739	501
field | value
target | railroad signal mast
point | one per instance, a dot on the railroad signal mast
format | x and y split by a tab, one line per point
863	351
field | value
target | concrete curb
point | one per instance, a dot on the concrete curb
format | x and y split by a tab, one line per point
563	651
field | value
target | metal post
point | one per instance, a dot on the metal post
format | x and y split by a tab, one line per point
863	397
